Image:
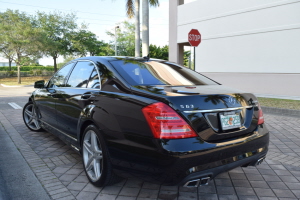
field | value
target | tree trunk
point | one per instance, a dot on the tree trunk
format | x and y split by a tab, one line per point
55	65
9	63
145	28
137	29
19	75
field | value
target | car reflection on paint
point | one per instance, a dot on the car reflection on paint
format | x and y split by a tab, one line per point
148	118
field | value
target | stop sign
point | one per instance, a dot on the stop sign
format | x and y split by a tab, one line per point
194	37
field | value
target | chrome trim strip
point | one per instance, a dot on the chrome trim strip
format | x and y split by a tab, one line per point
222	109
59	131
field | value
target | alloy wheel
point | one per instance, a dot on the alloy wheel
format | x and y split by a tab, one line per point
92	155
31	117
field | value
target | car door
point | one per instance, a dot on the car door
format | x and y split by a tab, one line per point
78	88
46	98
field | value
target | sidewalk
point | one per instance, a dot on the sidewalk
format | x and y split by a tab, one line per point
59	169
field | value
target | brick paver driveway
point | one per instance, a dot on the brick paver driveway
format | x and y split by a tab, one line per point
60	171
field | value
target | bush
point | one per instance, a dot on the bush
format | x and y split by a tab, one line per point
28	68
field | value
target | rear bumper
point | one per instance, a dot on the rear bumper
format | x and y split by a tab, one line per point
174	162
213	172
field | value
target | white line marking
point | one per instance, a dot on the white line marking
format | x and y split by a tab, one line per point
14	105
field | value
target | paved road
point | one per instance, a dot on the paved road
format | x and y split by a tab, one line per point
59	169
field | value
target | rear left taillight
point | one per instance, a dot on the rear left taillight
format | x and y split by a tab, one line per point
165	123
261	119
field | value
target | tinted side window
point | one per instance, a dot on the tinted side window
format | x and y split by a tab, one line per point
94	80
58	80
80	75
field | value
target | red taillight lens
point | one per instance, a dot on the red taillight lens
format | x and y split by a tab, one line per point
261	119
165	123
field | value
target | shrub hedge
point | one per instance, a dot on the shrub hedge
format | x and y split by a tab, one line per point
27	68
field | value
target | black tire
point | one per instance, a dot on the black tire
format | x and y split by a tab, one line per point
95	158
31	117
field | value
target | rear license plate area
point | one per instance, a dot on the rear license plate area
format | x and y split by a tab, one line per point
230	120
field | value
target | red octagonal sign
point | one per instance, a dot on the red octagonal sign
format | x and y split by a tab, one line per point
194	37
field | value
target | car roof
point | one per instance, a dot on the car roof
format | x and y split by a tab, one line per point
115	58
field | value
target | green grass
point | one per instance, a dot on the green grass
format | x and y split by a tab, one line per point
24	80
279	103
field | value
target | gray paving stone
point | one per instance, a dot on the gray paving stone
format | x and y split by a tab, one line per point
289	179
228	197
204	196
106	197
151	186
241	183
244	191
248	197
262	192
147	193
187	196
168	195
296	193
91	188
225	190
283	193
87	195
207	189
277	185
76	186
271	178
125	198
131	192
223	182
113	190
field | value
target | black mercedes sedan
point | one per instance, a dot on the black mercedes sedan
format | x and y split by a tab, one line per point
148	118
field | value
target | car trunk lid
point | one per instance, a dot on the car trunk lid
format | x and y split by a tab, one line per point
215	112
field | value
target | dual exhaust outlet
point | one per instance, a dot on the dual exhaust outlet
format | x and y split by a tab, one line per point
204	180
197	182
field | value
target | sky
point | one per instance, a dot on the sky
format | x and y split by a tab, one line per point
100	15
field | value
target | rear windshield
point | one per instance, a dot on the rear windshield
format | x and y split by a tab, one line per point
158	73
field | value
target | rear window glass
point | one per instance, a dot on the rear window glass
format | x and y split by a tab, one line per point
158	73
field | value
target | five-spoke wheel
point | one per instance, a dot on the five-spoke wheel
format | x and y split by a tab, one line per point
96	161
92	155
30	117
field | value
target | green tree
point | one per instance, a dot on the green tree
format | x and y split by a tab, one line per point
58	28
7	52
159	52
18	30
85	43
125	38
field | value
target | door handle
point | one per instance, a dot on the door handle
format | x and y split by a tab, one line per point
87	96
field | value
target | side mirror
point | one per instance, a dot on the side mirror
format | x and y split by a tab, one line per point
39	84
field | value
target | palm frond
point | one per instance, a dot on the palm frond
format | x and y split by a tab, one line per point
130	8
154	3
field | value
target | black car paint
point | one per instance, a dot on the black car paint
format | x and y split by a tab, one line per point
116	110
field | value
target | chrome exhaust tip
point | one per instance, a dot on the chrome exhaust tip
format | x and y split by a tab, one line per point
196	182
259	161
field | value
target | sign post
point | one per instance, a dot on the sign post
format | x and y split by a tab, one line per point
194	38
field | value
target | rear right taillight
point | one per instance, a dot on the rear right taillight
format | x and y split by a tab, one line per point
261	119
165	123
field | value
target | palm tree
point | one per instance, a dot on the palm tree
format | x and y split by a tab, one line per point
134	10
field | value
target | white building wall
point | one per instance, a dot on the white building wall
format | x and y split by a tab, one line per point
243	35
